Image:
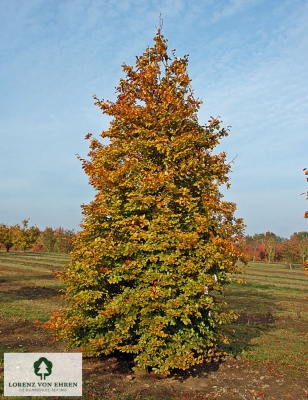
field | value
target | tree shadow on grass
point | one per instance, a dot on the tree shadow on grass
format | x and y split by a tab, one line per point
256	315
242	331
16	278
31	293
256	311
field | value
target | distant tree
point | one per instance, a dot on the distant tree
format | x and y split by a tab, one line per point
249	251
272	242
303	249
301	235
290	250
49	239
253	243
25	237
278	250
158	243
270	246
59	240
68	241
302	239
7	236
262	246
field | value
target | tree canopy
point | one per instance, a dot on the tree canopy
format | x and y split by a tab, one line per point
158	243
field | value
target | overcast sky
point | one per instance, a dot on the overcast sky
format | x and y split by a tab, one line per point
248	63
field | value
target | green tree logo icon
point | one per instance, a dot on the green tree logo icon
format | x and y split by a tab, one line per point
42	367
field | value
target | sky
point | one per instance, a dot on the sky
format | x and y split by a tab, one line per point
247	61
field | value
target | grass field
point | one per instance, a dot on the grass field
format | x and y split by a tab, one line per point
273	322
272	327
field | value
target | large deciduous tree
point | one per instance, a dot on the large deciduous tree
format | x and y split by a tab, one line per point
158	243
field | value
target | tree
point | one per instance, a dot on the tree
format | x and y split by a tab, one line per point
64	240
158	242
302	238
271	242
290	250
7	236
25	236
278	250
49	239
252	245
68	244
270	246
58	240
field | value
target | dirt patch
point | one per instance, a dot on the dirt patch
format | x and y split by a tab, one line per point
233	378
30	292
256	319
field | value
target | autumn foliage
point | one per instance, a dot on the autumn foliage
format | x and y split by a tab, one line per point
272	248
21	237
158	243
30	238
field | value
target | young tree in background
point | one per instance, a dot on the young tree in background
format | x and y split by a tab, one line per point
48	237
68	241
252	245
25	237
262	246
278	249
302	238
270	246
273	246
7	236
59	240
158	243
63	240
290	250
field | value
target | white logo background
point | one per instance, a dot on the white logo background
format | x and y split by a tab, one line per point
20	378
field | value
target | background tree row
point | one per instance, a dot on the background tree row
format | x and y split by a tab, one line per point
272	248
31	238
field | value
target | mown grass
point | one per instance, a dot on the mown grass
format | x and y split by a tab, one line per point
29	288
273	310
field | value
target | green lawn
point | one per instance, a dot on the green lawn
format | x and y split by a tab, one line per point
273	309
